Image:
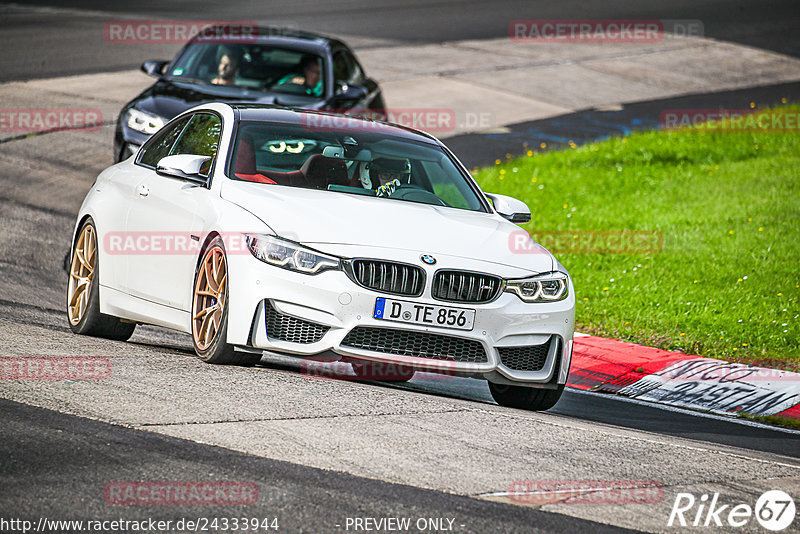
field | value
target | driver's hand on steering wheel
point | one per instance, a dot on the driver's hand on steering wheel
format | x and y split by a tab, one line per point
388	188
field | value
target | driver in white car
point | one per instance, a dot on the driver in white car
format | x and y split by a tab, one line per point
386	175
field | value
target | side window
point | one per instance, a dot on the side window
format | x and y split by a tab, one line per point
356	76
160	144
341	68
201	138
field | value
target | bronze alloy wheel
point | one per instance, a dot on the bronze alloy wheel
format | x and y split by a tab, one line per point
210	313
210	298
81	272
83	291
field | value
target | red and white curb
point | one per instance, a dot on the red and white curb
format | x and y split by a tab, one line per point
649	374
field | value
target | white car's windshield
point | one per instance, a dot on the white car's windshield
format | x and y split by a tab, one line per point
349	161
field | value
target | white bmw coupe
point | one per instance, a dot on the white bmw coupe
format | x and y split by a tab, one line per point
257	229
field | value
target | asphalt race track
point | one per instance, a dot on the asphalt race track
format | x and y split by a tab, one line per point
320	451
62	43
302	498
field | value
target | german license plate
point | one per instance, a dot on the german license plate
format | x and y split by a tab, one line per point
403	311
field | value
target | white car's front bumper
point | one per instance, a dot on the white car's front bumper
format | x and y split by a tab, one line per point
337	305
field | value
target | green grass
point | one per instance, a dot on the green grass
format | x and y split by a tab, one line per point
776	420
726	282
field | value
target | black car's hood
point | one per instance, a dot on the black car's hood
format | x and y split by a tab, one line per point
168	98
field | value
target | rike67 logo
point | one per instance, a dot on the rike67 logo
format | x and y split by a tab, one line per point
774	510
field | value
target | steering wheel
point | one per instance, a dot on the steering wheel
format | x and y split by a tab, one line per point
416	193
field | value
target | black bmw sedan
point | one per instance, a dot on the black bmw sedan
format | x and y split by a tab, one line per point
270	66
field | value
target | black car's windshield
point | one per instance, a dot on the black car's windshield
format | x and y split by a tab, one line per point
365	161
252	66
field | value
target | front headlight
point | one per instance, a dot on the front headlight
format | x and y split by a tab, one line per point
547	287
289	255
144	122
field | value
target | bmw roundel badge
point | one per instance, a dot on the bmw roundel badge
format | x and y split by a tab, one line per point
427	258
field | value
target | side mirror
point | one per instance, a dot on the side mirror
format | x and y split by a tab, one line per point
154	67
350	94
510	208
185	166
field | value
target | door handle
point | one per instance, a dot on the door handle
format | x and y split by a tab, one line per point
143	190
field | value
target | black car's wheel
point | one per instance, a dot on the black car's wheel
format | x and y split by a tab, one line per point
210	310
382	372
83	299
525	398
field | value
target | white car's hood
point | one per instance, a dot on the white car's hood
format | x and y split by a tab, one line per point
322	217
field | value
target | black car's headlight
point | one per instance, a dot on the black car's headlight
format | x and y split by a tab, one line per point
144	122
289	255
546	287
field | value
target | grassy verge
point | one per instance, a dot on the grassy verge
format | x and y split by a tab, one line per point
776	420
726	282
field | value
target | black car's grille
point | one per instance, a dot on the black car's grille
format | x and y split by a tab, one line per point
287	328
528	358
416	344
462	286
389	277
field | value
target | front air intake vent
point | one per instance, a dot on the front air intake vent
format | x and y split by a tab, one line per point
282	327
525	358
415	344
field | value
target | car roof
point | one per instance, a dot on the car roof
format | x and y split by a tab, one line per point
266	112
269	35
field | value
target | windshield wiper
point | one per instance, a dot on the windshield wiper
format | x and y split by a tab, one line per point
188	80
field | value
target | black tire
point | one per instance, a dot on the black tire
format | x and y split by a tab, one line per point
382	372
89	321
525	398
216	351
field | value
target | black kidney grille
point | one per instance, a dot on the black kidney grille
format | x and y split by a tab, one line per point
461	286
389	277
527	358
287	328
415	344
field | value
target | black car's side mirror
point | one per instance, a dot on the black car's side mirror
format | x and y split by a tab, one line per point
154	67
349	93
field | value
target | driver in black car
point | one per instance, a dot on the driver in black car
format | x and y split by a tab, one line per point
227	68
387	174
